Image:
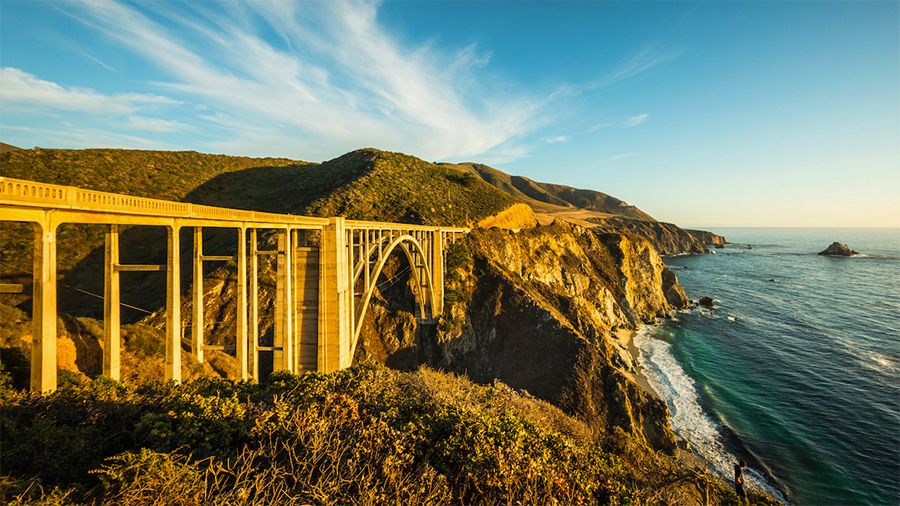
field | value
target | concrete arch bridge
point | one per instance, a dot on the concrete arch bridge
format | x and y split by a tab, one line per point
322	291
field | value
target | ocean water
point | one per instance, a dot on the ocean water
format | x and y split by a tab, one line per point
797	369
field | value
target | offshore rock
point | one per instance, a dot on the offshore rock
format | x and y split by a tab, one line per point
838	249
707	302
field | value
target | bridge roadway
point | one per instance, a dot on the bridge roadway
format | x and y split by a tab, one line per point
322	292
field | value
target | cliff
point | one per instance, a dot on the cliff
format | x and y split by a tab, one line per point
536	309
667	238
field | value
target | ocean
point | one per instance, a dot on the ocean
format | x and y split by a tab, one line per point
797	368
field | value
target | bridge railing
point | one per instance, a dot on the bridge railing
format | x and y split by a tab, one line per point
49	196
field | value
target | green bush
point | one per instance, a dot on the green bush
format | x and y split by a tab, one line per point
364	435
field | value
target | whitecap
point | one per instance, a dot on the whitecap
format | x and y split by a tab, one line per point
689	422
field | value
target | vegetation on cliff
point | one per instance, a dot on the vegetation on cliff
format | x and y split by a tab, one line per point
366	435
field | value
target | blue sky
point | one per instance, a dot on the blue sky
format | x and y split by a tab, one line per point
704	114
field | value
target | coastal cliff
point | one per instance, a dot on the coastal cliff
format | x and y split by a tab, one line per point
536	310
668	239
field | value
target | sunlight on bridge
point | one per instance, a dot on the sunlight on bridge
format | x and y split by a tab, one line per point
318	310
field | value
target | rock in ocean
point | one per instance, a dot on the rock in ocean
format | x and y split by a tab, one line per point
838	249
707	302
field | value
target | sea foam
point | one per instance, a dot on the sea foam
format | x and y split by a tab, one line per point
689	421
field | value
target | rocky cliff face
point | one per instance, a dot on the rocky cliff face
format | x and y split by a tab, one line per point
668	239
535	310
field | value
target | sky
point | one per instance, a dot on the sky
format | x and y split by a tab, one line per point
704	114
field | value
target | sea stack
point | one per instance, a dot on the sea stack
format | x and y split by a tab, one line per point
838	249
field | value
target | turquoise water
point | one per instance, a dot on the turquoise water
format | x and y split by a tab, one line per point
797	369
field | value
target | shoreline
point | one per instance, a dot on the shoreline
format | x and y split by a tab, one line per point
625	339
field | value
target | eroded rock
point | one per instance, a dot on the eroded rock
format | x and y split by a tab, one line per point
839	250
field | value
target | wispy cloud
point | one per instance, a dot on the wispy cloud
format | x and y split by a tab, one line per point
333	80
80	137
21	89
643	60
554	140
156	125
637	120
618	157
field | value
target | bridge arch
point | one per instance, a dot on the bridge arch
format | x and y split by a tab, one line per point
425	293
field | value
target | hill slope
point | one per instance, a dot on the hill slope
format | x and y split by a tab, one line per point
369	184
547	197
593	209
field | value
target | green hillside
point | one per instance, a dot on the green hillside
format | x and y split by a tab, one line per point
168	175
546	196
369	184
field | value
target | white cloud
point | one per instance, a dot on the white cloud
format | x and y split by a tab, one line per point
637	120
156	125
561	138
21	89
336	79
618	157
78	138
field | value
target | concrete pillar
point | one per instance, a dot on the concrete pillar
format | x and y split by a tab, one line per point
437	273
173	304
111	305
241	339
254	305
335	334
283	295
43	343
197	309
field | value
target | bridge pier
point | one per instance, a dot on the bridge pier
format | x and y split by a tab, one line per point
335	332
254	305
173	303
283	349
111	305
241	343
43	341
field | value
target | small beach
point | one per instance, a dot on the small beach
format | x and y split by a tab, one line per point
625	339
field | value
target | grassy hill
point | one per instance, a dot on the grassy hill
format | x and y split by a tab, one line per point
552	197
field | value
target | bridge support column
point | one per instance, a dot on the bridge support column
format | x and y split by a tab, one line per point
241	339
254	305
173	304
43	343
111	305
437	273
335	331
197	307
284	325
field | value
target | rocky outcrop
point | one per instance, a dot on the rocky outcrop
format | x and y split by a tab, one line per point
707	238
516	216
668	239
839	250
535	310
